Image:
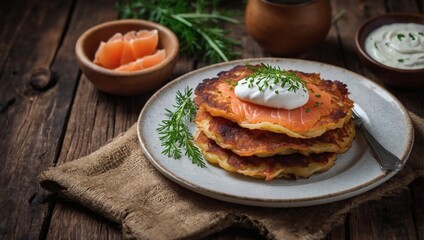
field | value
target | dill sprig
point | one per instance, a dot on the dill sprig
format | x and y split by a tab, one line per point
174	133
194	23
266	76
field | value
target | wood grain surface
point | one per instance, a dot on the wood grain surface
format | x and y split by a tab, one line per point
69	118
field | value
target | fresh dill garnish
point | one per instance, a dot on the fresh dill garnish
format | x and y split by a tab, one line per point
318	95
194	22
307	110
400	36
266	76
411	36
174	133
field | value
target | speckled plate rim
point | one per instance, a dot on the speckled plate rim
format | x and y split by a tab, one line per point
160	163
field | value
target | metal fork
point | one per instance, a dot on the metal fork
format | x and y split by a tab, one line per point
386	159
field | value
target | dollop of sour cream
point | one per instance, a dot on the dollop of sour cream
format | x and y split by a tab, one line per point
399	45
275	97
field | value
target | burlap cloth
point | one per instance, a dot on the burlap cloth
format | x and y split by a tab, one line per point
118	182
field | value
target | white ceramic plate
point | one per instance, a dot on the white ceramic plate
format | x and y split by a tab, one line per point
355	172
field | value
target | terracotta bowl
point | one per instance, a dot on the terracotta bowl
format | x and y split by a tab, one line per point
395	77
125	83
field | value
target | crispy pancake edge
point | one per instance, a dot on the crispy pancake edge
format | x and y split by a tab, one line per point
246	142
266	168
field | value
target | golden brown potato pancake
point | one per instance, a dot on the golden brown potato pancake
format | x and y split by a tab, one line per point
246	142
280	166
329	106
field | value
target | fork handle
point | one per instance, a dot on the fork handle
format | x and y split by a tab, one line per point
386	159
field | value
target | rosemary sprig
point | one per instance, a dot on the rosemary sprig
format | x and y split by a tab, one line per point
266	76
174	133
194	23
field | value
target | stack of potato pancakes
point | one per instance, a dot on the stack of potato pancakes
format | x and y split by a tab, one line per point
264	142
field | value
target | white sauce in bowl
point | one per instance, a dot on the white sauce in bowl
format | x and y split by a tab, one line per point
398	45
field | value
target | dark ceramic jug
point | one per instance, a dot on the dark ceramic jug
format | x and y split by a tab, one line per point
288	27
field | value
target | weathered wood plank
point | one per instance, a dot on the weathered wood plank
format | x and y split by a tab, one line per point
69	218
380	219
417	193
32	122
12	21
402	6
420	4
338	233
66	217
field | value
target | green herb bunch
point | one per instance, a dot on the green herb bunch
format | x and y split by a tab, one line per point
267	76
174	133
194	23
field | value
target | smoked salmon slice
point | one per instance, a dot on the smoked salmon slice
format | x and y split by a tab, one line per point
298	119
130	52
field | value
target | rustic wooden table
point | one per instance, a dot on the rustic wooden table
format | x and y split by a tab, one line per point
69	118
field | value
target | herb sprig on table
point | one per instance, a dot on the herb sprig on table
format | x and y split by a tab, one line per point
174	133
194	23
